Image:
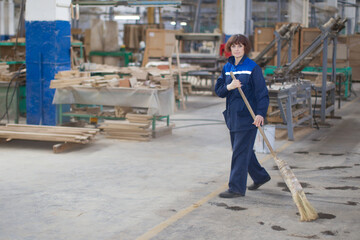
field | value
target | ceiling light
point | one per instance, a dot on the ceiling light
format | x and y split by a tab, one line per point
173	23
183	23
127	17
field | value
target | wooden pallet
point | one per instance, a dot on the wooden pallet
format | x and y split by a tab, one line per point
69	136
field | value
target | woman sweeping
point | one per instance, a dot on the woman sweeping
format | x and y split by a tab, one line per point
238	119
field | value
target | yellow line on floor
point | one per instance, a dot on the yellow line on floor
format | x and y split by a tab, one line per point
157	229
153	232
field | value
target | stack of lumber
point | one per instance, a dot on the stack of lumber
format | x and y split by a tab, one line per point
5	75
19	40
47	133
127	130
139	118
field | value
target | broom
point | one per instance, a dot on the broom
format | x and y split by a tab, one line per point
307	212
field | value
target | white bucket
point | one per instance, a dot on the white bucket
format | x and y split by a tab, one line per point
260	145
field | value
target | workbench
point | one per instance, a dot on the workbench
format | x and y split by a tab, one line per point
159	103
285	98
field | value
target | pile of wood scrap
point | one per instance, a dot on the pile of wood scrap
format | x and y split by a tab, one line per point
126	130
6	75
47	133
136	78
72	78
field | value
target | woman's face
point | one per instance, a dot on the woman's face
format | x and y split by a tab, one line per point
237	50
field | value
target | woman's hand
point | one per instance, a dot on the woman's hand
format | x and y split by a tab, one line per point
234	84
259	121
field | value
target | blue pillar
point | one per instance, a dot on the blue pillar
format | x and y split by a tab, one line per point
47	52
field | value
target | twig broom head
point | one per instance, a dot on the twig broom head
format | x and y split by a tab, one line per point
307	212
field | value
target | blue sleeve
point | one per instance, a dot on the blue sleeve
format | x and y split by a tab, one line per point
220	86
261	92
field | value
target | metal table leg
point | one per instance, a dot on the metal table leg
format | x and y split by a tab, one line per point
289	118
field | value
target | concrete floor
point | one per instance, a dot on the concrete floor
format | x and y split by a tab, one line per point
167	188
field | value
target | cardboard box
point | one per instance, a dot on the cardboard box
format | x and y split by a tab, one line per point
356	73
341	51
124	83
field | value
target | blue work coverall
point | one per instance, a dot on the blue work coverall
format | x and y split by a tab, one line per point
239	120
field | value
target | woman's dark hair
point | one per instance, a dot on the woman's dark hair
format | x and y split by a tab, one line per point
238	39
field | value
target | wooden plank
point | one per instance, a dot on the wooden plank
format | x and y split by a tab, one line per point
115	123
61	147
48	131
142	116
179	72
130	138
43	137
61	83
55	128
128	133
140	130
10	129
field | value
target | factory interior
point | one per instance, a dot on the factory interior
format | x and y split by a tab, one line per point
112	124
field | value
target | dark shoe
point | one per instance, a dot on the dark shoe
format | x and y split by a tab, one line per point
229	194
255	186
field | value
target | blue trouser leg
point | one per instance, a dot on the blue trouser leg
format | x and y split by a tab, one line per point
256	171
244	161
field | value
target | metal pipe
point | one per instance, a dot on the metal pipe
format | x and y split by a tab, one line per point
2	19
278	62
313	22
323	86
333	72
357	19
290	49
248	16
279	10
197	17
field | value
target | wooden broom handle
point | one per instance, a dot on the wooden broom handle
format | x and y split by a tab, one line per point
253	116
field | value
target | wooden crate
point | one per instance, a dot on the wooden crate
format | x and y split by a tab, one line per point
262	37
353	43
307	36
342	55
159	43
135	33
